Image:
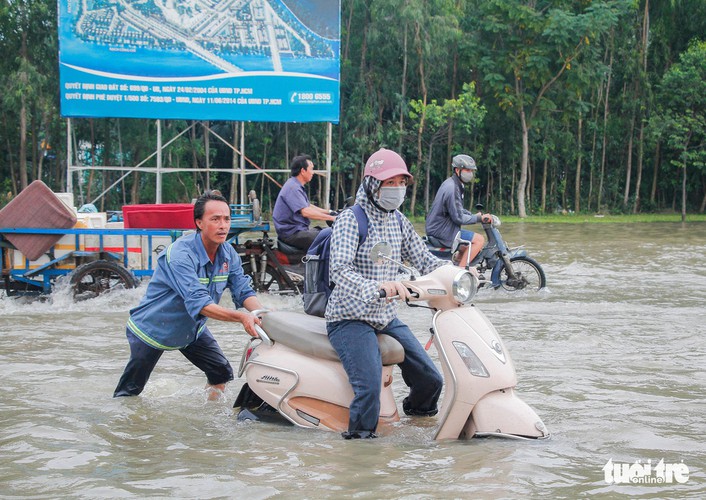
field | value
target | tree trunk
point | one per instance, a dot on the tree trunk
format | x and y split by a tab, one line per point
512	190
594	142
683	190
544	184
23	120
552	190
641	136
655	172
522	212
344	57
34	147
577	183
500	189
638	178
135	191
194	158
420	129
628	163
42	147
605	126
683	179
23	144
450	133
403	90
427	178
11	161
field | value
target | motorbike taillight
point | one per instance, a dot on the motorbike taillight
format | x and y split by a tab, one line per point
249	352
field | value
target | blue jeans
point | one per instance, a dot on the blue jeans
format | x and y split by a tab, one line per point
357	346
204	352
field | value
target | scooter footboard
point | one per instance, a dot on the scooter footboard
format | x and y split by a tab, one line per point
502	413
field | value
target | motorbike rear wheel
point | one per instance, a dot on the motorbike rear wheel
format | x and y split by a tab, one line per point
271	282
528	273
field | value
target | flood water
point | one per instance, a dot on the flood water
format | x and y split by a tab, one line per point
611	357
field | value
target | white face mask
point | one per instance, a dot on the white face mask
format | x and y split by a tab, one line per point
391	198
467	176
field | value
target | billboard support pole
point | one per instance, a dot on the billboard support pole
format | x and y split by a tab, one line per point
207	151
69	156
158	192
327	191
242	163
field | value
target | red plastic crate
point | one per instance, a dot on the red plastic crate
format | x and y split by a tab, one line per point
159	216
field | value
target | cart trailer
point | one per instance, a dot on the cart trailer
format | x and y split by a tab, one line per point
97	260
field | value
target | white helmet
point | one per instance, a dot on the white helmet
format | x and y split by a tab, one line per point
463	161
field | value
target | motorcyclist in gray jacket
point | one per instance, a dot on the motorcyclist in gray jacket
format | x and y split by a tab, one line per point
447	214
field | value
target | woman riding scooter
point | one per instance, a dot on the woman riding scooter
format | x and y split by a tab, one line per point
355	314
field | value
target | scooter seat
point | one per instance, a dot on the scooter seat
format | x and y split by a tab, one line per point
288	249
307	334
432	241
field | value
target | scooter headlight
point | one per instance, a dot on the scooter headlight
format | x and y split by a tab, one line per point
472	362
465	286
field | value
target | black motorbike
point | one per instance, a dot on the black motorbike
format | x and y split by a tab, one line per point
274	266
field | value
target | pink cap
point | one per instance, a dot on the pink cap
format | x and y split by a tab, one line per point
384	164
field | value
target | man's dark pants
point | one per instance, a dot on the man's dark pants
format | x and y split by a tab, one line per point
204	352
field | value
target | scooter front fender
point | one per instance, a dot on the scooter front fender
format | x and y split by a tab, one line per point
465	330
495	275
503	414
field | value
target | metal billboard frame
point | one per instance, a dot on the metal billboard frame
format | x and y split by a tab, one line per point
73	166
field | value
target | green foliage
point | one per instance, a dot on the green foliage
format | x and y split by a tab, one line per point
682	114
429	78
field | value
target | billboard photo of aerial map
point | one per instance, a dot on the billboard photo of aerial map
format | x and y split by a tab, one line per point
244	60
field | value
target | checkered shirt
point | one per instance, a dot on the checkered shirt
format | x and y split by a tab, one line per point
357	278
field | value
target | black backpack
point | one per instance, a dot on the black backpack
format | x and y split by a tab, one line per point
317	283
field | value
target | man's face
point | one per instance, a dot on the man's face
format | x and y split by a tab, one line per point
308	173
215	223
466	175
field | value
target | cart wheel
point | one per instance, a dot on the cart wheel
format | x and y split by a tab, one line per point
94	278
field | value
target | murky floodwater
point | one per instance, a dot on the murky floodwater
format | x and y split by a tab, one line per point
611	357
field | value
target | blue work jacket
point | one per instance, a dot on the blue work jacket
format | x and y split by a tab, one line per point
184	282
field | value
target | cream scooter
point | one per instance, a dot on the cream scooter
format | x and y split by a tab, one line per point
293	371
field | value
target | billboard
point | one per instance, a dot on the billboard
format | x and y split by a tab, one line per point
240	60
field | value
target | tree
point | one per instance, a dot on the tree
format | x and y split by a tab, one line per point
465	112
529	46
28	39
682	113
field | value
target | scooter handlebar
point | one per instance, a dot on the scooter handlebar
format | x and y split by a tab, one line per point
382	294
263	336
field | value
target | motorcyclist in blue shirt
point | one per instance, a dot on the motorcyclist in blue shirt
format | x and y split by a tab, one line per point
191	276
293	210
447	214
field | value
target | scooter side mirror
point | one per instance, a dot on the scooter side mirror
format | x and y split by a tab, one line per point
380	252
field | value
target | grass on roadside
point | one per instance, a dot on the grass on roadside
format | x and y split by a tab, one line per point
594	218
